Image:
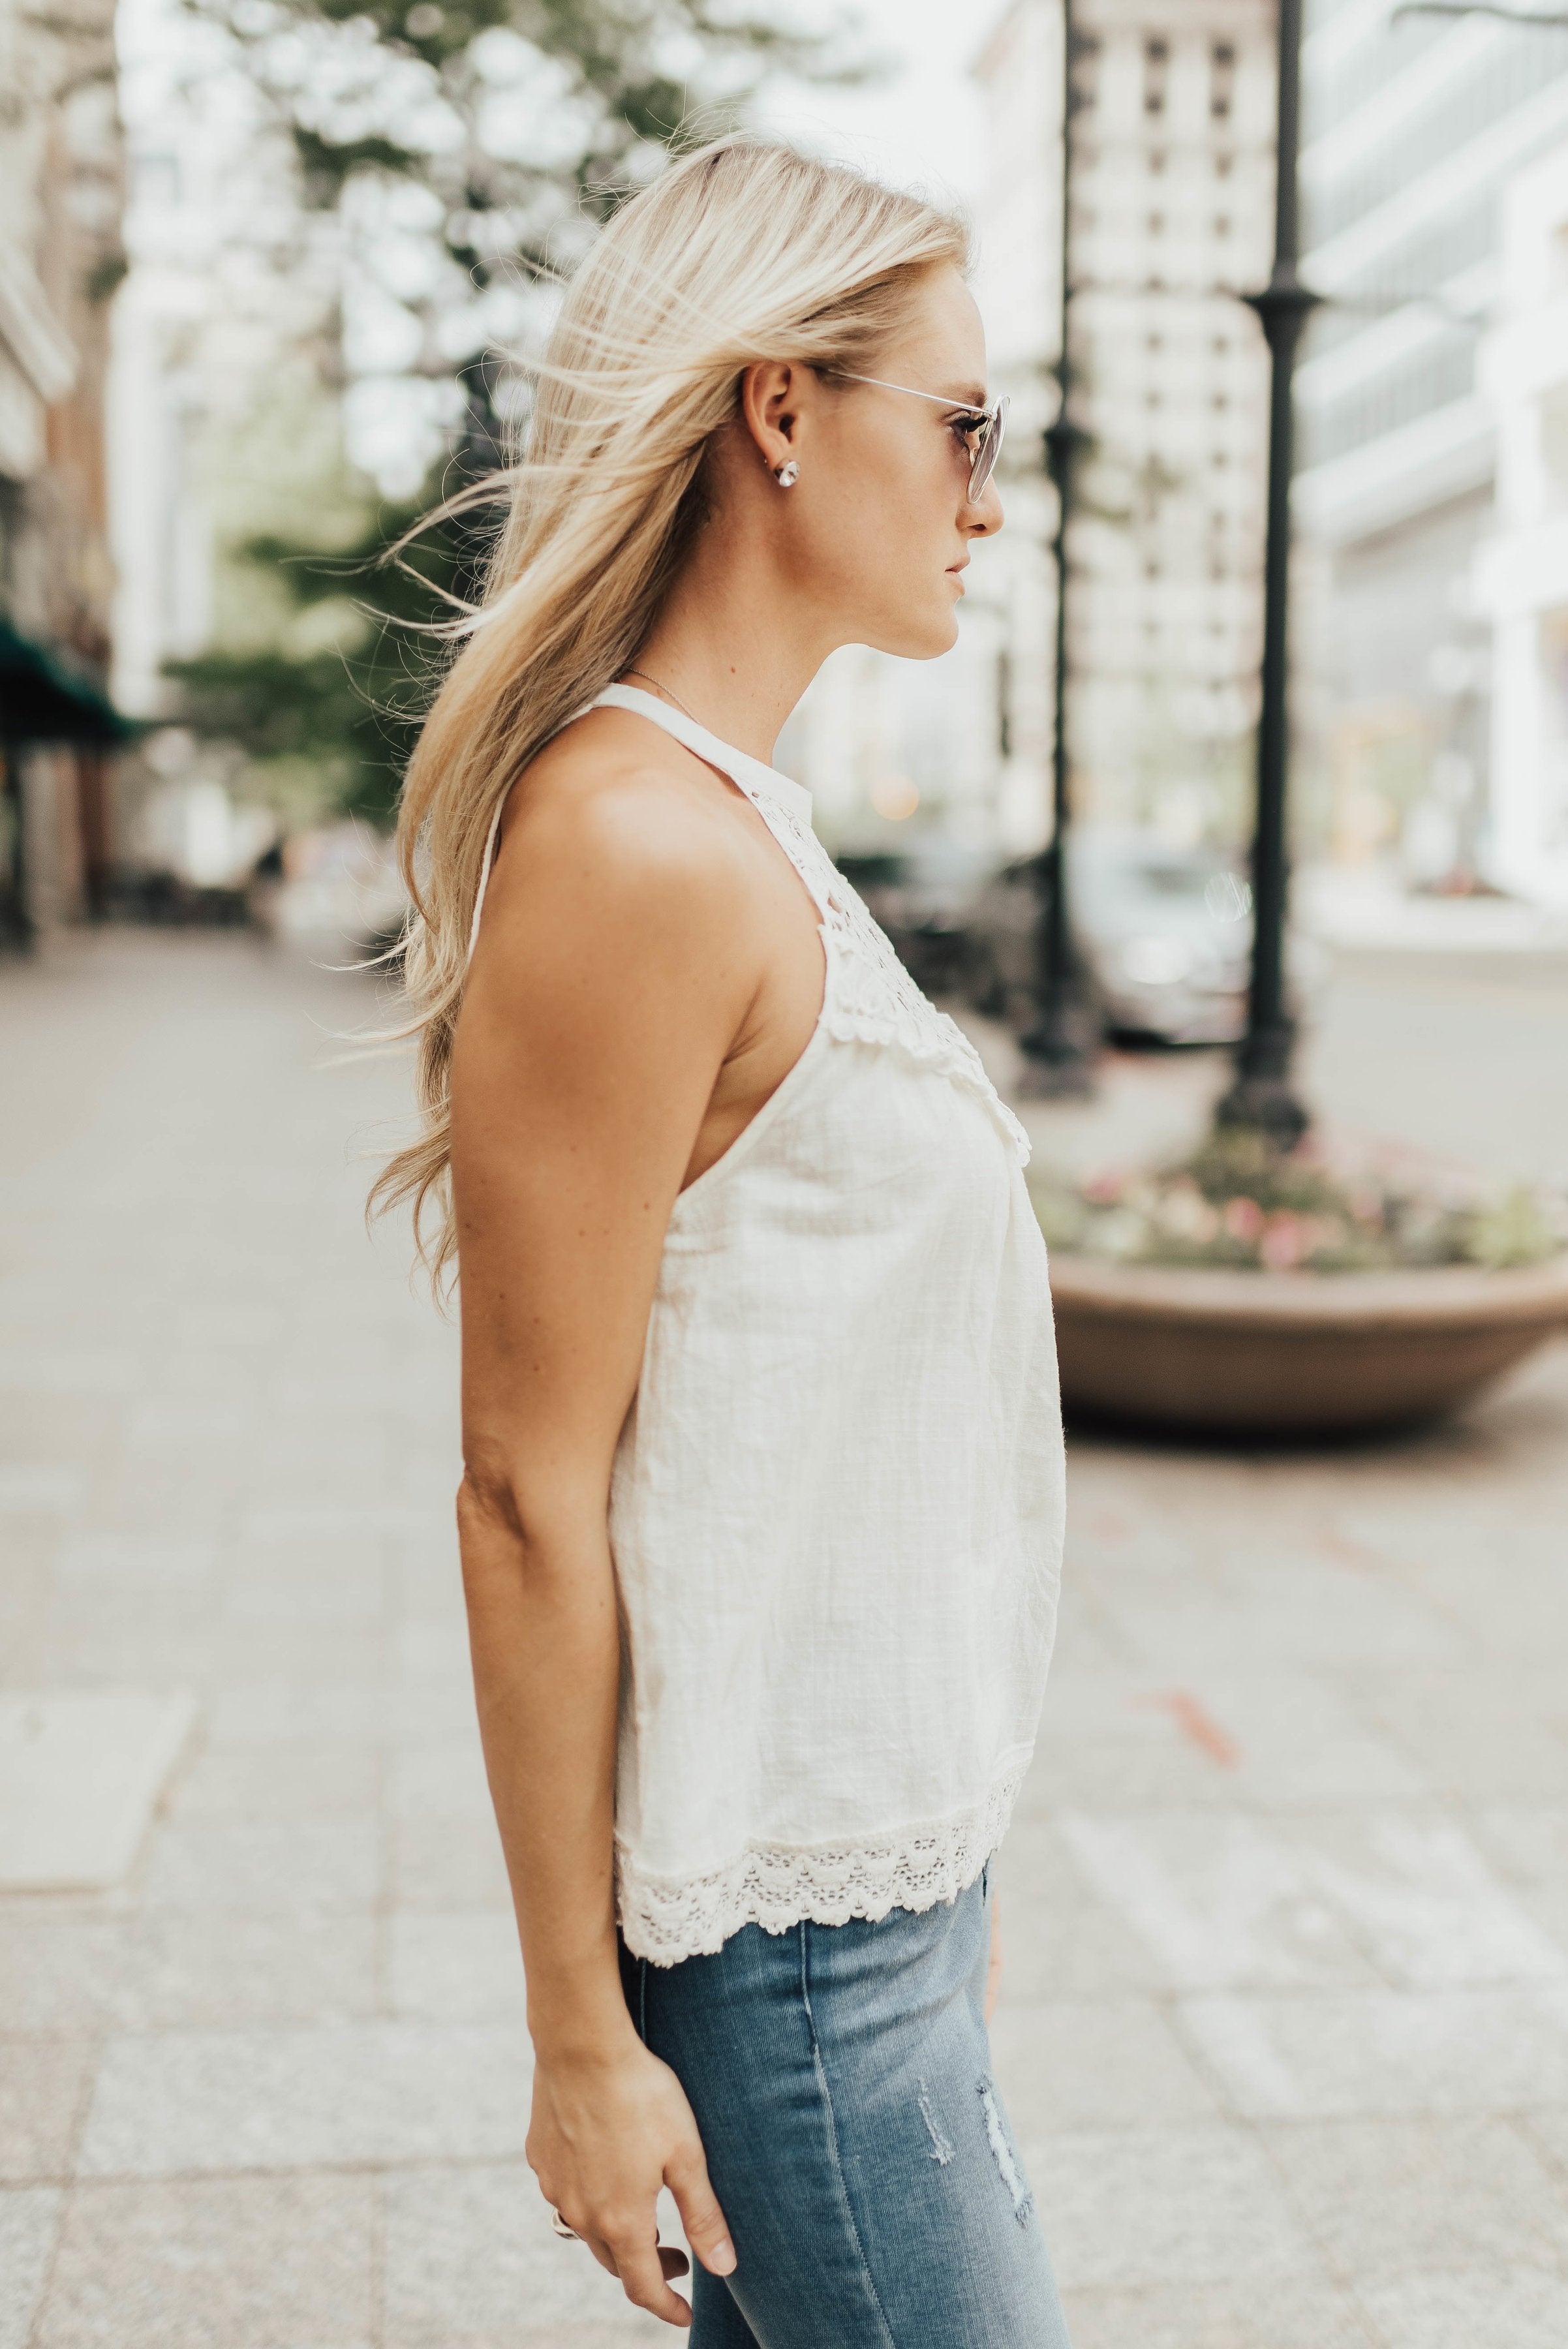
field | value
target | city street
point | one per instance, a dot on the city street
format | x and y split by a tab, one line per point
1284	2028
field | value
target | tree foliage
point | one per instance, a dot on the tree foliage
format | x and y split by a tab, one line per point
347	712
470	149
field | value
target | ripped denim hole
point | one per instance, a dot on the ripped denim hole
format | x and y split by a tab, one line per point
942	2147
1011	2177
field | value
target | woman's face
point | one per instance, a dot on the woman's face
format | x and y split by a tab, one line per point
876	532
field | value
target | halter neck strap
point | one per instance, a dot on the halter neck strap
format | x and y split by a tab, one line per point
752	776
755	778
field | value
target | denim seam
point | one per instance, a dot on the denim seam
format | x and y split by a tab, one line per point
832	2143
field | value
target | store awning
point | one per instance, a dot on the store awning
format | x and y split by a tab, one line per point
44	698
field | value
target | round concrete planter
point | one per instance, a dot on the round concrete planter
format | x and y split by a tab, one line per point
1292	1353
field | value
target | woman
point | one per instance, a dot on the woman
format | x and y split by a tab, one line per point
761	1511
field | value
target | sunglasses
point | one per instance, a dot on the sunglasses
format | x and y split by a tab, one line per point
987	424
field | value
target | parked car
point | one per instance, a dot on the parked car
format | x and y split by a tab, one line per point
924	893
1165	936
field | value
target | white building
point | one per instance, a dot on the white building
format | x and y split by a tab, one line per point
1413	129
224	285
1171	218
1523	571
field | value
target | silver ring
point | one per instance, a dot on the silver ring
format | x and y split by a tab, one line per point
567	2234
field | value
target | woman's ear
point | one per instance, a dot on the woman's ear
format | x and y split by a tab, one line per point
770	406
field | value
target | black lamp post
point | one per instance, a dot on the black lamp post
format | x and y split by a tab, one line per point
1058	1045
1261	1097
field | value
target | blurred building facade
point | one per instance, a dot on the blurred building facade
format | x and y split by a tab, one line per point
1522	570
1416	128
61	184
1171	220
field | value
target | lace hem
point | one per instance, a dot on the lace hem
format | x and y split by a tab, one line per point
665	1918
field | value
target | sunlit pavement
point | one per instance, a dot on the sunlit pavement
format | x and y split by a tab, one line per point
1285	2025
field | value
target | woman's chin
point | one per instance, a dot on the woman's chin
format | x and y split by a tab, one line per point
927	638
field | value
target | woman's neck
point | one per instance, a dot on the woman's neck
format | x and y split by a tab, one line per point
732	646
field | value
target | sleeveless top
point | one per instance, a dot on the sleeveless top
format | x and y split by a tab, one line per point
837	1504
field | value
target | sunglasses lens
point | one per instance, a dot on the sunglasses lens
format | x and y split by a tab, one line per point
989	450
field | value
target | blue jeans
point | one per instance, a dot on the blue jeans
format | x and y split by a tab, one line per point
840	2075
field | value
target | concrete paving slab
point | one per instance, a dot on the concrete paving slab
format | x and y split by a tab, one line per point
437	1861
471	2258
30	2223
1281	2313
1155	2207
60	1974
280	2262
1395	2197
274	1865
1386	2051
227	1967
301	1781
444	1780
79	1774
43	2085
1060	1939
1219	1900
1505	2308
1076	2064
460	1966
288	2098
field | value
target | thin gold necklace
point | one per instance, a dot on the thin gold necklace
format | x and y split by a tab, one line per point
675	698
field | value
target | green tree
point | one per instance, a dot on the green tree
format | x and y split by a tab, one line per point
332	726
470	150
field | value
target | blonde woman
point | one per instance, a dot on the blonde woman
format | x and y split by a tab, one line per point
761	1508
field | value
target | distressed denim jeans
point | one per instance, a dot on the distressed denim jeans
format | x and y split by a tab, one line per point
840	2075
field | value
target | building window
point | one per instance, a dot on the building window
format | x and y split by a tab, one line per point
1155	73
1222	79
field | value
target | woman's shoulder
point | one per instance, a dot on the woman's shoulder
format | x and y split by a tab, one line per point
619	823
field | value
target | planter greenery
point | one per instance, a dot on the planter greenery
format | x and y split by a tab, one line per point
1239	1202
1249	1290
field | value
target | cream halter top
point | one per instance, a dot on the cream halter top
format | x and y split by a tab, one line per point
836	1504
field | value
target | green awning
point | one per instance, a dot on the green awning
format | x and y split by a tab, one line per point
44	698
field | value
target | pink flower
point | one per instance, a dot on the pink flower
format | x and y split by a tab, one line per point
1102	1190
1242	1218
1285	1241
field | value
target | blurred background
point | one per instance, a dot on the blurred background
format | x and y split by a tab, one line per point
268	271
1285	2023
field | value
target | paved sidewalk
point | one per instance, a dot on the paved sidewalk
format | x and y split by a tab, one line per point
1285	2029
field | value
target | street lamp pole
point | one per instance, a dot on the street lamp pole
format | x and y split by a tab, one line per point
1261	1097
1055	1048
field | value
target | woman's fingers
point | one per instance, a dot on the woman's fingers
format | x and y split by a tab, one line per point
686	2179
640	2262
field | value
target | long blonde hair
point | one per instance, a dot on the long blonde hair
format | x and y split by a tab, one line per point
745	251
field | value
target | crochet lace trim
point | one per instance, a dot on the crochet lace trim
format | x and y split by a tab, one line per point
872	999
776	1885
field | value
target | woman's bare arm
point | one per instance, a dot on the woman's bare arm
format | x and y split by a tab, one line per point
613	973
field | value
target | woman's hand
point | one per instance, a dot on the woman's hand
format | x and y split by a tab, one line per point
993	1969
607	2130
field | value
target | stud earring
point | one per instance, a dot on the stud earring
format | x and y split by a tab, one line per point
787	475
